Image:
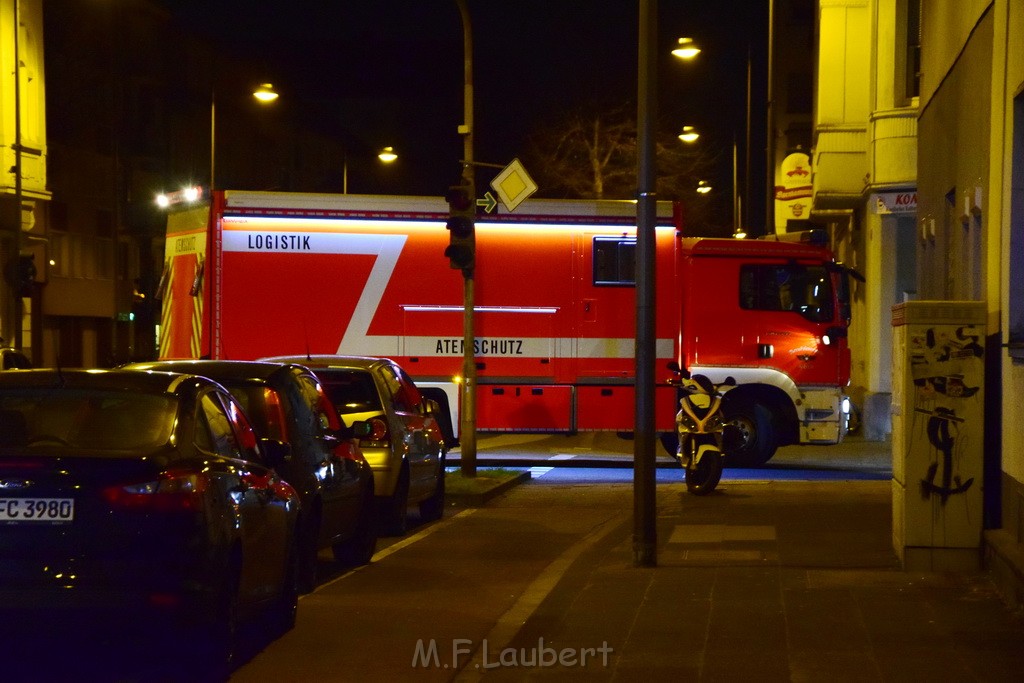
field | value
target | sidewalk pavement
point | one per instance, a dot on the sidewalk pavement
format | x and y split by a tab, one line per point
760	581
597	449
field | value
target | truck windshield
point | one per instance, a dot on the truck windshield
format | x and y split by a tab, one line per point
806	290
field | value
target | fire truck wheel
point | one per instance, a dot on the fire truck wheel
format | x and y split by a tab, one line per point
753	425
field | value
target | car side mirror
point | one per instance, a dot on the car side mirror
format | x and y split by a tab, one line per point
276	452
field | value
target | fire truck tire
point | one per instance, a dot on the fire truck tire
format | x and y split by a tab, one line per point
756	439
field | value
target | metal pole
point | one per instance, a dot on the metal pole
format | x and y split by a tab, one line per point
18	303
746	150
769	216
213	138
467	430
644	511
735	190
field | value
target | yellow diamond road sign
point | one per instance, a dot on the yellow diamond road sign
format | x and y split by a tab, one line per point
513	185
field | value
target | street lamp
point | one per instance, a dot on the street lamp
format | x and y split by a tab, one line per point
689	134
265	94
386	155
686	49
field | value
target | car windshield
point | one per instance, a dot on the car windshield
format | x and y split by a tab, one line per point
351	391
85	420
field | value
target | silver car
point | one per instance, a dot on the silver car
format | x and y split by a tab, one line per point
405	449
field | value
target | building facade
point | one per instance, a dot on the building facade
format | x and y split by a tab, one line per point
970	229
864	165
918	172
23	187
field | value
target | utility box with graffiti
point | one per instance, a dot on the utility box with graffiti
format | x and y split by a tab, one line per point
938	436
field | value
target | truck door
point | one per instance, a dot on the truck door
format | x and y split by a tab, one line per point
795	306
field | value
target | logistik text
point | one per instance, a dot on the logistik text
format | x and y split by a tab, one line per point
274	242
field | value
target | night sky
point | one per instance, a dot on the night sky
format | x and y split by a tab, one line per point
391	71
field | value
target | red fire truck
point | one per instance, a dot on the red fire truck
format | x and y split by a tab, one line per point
268	274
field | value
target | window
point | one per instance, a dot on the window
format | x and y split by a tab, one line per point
615	261
316	402
213	429
908	51
788	287
352	391
401	398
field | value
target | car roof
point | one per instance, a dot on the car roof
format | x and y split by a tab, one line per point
11	351
323	360
103	380
227	370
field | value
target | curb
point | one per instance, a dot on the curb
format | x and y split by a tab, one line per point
481	498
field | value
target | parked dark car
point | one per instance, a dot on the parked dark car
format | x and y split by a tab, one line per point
405	447
287	402
12	359
133	501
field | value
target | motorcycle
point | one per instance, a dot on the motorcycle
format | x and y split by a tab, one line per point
702	431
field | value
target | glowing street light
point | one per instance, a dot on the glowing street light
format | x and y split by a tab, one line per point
703	187
265	93
386	155
689	134
686	49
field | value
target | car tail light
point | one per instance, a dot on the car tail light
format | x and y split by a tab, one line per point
378	431
278	426
170	492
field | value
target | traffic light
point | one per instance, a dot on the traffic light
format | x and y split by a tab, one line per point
25	274
22	274
461	249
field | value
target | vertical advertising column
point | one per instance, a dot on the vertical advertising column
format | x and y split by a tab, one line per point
938	436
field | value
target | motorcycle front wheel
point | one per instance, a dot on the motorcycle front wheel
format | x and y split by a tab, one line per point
703	477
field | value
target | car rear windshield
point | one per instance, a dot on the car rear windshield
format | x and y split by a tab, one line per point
85	420
351	391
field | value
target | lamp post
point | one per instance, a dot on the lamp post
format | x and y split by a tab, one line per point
264	94
644	472
387	155
467	414
18	299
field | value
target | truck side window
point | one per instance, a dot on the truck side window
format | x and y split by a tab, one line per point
787	287
615	261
